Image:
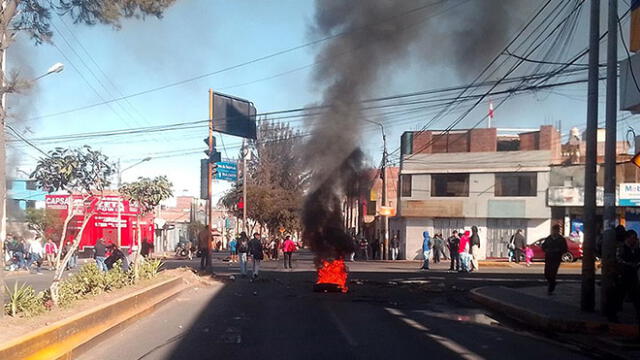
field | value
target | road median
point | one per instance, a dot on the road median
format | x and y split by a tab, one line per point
68	337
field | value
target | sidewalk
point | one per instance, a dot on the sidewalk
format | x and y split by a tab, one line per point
559	312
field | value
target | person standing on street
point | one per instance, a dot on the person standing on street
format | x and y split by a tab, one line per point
257	253
364	248
438	248
519	245
51	250
100	255
453	243
233	250
395	247
288	248
474	248
375	246
553	246
203	247
426	249
628	257
243	249
463	251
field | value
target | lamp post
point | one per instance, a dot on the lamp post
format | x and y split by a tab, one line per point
56	68
383	175
120	204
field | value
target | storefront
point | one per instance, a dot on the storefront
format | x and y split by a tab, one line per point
110	214
567	205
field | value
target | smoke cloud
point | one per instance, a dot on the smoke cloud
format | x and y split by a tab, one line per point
382	35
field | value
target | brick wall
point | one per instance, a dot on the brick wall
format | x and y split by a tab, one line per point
420	141
482	140
529	141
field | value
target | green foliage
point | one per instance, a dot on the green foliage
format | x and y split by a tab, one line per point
89	281
44	222
149	269
147	193
80	169
276	179
34	16
24	300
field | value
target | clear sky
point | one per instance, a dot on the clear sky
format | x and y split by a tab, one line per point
202	36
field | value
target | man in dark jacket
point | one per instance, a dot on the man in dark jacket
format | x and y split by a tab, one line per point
519	243
628	258
257	253
553	246
453	243
474	248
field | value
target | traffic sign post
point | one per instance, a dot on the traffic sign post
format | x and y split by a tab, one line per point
226	170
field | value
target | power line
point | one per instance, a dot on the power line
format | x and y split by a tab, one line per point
249	62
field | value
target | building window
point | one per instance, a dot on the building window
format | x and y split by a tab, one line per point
405	184
31	185
516	184
450	185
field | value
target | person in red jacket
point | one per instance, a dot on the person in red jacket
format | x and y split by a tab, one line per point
463	250
288	248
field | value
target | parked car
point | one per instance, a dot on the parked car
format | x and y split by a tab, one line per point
574	253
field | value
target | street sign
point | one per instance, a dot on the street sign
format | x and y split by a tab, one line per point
227	170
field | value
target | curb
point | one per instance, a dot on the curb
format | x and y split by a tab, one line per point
546	323
72	336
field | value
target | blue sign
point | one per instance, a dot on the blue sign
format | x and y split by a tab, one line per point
227	170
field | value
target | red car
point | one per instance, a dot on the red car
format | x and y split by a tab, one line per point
574	253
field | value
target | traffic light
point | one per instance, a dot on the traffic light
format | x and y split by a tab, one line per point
206	141
213	156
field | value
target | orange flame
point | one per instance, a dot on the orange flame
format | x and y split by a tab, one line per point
333	272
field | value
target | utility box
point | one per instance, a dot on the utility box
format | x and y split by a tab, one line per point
630	87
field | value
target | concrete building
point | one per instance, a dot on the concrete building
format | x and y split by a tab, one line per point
457	179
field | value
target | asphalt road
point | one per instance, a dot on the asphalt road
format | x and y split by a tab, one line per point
391	311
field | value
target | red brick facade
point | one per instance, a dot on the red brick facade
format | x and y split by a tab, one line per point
485	140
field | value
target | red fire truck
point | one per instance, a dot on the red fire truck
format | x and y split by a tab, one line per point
104	222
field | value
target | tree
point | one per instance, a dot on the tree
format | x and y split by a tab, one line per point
45	223
146	193
81	172
276	180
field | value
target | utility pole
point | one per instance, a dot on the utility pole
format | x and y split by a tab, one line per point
609	218
587	298
385	219
245	153
210	183
120	204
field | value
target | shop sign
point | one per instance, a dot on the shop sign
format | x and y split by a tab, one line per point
629	194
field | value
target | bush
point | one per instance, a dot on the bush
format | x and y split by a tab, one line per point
149	269
91	281
24	300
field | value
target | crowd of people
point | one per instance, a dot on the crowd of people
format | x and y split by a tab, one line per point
242	250
463	248
31	255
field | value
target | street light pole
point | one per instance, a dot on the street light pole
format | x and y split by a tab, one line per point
383	175
56	68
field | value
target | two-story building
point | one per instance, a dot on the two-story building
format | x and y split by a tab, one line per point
491	178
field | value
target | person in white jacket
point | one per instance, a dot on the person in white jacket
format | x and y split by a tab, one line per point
36	252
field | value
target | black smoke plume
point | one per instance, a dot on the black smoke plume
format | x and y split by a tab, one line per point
379	37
